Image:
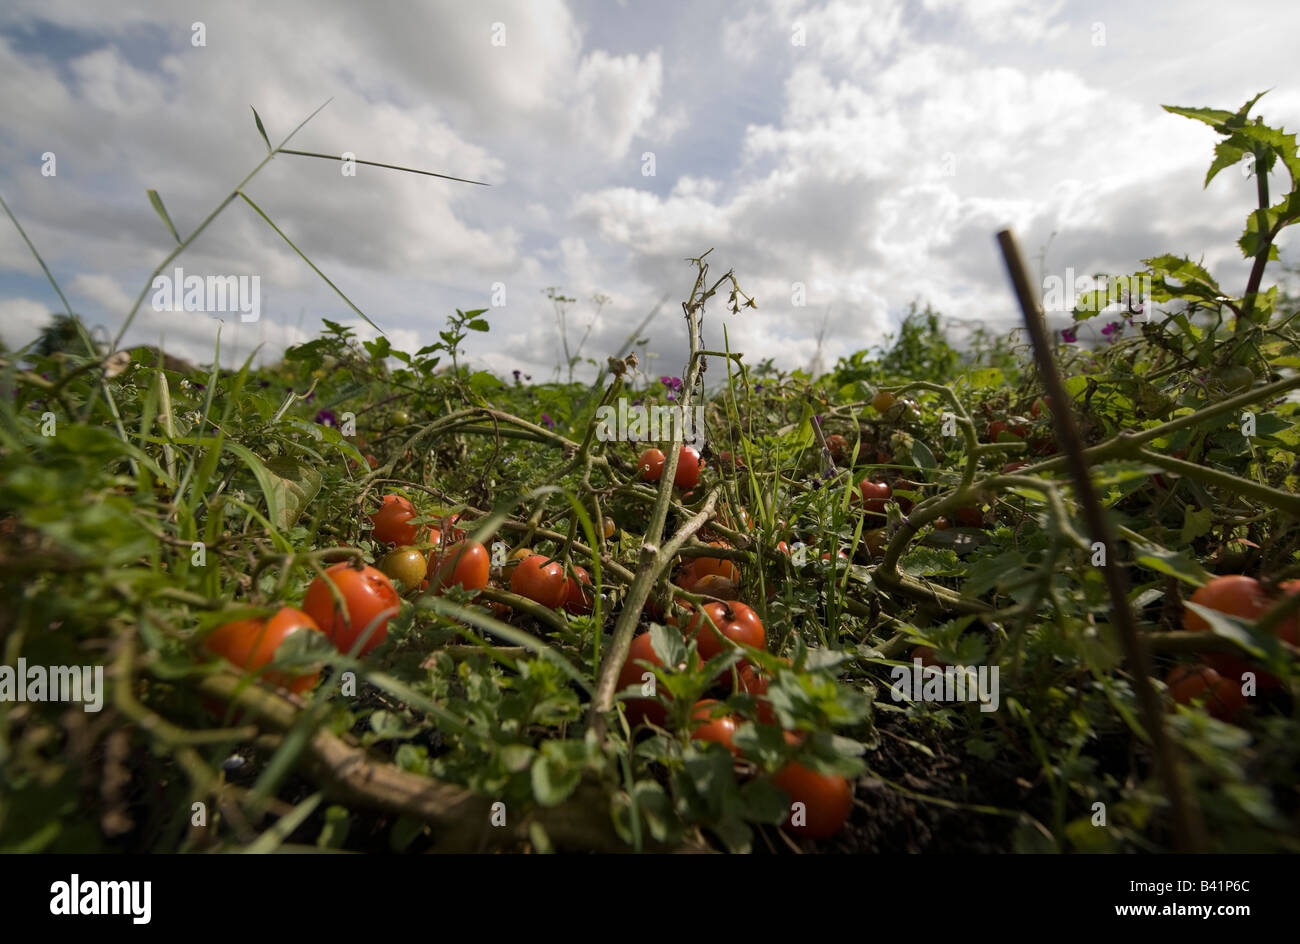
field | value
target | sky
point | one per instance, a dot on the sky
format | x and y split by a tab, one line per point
843	158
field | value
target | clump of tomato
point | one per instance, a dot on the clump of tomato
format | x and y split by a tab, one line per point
369	602
1234	595
250	644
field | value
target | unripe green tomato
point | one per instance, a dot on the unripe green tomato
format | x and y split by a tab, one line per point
401	418
406	564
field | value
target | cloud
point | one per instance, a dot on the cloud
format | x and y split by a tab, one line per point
859	154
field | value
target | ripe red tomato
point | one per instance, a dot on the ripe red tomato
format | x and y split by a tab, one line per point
1223	697
1235	595
250	644
752	682
838	447
883	400
407	564
641	709
734	620
969	517
368	597
689	464
827	800
708	566
719	730
392	521
998	427
464	562
651	465
926	655
540	579
577	593
873	495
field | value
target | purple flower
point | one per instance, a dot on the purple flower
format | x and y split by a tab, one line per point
325	418
673	384
758	388
516	373
1069	335
1112	330
547	421
818	419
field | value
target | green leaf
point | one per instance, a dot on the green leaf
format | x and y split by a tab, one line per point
922	457
295	484
257	119
162	212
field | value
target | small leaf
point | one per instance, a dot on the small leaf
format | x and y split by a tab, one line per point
162	211
262	131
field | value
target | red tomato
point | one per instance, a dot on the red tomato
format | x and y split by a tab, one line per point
689	464
368	597
707	566
838	446
651	465
998	427
641	709
1223	697
969	517
736	621
750	681
539	579
577	593
1235	595
392	521
926	655
873	495
250	644
464	562
1290	628
720	730
827	800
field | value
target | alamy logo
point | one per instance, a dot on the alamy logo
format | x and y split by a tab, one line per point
919	682
216	293
640	423
68	683
76	897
